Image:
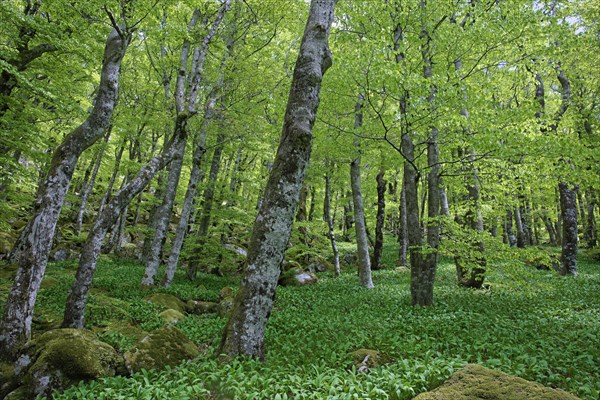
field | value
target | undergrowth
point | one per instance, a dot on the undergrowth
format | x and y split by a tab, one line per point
530	323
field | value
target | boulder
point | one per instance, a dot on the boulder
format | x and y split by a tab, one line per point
167	300
317	266
402	269
172	316
297	277
475	382
201	307
166	346
62	357
225	293
365	359
225	306
349	258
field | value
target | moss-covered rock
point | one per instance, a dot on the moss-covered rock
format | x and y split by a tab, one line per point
201	307
166	346
225	306
225	293
167	300
297	277
48	282
475	382
172	316
8	379
62	357
365	359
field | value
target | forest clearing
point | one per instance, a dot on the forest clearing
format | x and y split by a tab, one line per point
299	199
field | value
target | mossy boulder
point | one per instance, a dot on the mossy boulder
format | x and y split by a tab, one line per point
225	293
225	306
365	359
172	316
166	346
201	307
475	382
167	301
297	277
62	357
8	379
48	282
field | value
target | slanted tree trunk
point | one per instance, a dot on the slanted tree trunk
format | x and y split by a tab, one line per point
329	221
89	186
77	300
196	175
244	333
549	227
185	104
378	248
568	207
33	248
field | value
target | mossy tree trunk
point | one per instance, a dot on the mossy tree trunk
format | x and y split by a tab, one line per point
33	248
244	333
380	220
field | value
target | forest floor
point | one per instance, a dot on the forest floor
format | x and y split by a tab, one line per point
530	323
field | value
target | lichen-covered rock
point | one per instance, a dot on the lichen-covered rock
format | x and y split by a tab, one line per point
201	307
297	277
62	357
166	346
475	382
225	293
167	300
225	306
172	316
365	359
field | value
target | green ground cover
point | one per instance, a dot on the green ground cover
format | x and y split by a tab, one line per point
530	323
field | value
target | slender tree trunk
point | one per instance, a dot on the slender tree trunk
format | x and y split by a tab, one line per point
348	217
549	227
311	211
403	229
329	221
590	228
32	253
185	105
362	244
207	205
378	248
196	175
77	300
521	237
568	206
113	177
511	239
87	189
244	333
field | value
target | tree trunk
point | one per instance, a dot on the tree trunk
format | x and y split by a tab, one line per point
378	248
590	228
185	104
244	333
403	229
77	300
311	211
362	244
33	250
329	221
348	217
521	236
89	186
568	206
207	205
510	237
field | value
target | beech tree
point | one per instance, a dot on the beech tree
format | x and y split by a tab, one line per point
33	247
244	333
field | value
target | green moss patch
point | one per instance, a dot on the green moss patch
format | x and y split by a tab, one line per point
475	382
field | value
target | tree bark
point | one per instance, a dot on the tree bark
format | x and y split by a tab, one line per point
362	244
568	206
244	333
378	248
89	186
329	221
521	236
403	230
34	249
77	300
185	104
207	205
